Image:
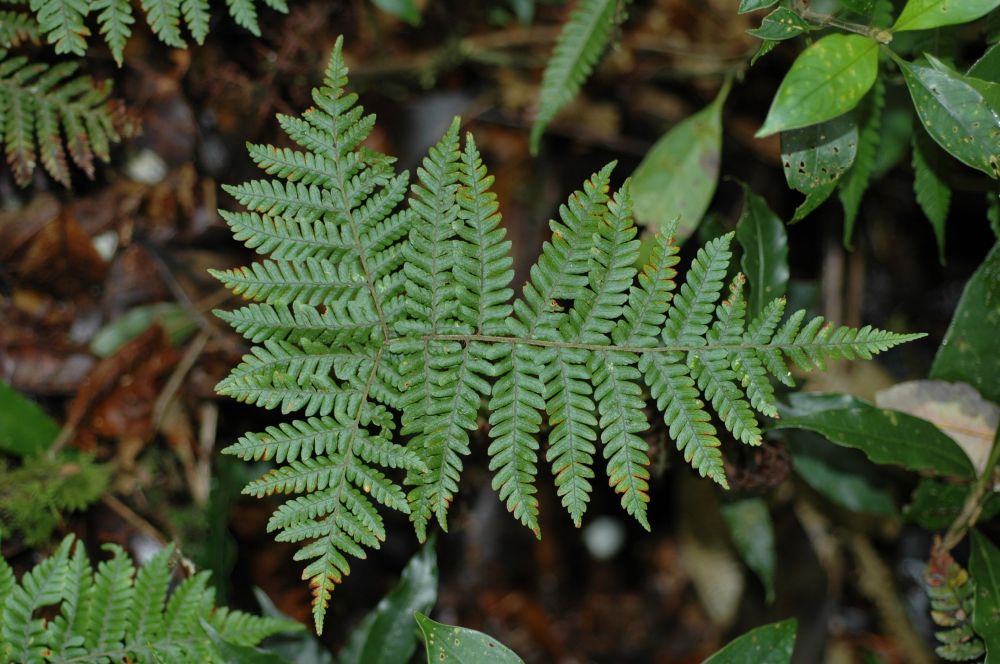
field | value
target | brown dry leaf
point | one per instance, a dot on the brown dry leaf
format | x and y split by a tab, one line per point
116	399
62	259
955	408
19	225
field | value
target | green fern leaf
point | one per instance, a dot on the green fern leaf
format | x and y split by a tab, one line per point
115	18
17	28
196	16
62	21
581	43
855	182
164	18
369	306
932	192
109	601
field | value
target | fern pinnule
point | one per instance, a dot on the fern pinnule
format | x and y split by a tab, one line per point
580	44
372	308
17	28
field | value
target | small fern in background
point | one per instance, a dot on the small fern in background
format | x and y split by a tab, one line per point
64	22
582	41
117	613
42	104
951	592
367	307
34	495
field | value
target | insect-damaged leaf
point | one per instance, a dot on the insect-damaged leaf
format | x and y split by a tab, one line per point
678	176
828	79
781	24
924	14
447	644
955	114
815	157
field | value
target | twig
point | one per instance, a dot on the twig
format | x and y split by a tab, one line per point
881	35
973	506
191	356
132	518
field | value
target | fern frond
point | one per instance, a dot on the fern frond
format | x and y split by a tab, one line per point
580	44
17	28
62	21
109	600
951	592
38	104
116	19
372	306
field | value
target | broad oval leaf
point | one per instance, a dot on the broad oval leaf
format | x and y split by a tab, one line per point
828	79
970	352
25	429
955	114
386	634
678	176
752	532
814	159
447	644
769	644
924	14
781	24
984	566
885	436
762	236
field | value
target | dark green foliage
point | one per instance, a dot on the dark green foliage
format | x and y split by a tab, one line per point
33	496
367	307
48	112
116	613
951	593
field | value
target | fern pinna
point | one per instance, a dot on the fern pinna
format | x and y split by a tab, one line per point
368	308
119	614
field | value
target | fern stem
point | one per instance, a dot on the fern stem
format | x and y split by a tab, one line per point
467	338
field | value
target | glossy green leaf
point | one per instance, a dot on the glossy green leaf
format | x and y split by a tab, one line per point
25	429
970	352
935	504
404	10
814	159
955	114
769	644
988	66
754	5
678	176
447	644
932	192
827	80
924	14
885	436
387	633
855	182
762	236
752	532
172	317
845	477
781	24
984	566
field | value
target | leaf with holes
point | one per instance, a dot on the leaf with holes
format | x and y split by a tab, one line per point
955	114
678	176
924	14
814	159
447	644
781	24
827	80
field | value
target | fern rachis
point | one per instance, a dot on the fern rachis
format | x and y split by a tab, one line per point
389	323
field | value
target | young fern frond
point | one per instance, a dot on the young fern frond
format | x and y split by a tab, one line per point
113	614
581	43
39	104
373	311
